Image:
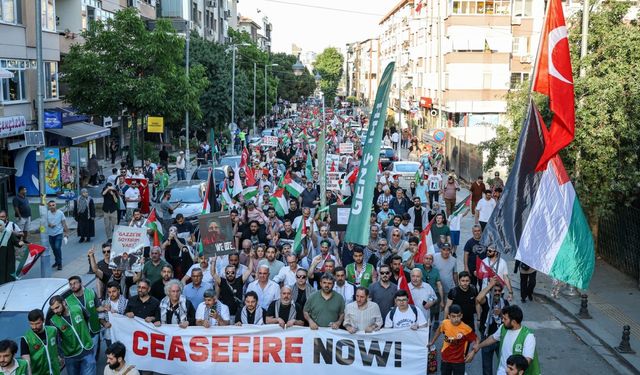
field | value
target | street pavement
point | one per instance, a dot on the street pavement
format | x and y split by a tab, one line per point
566	344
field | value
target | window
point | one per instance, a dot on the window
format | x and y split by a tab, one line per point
517	79
8	11
480	7
522	8
50	80
486	80
13	89
48	15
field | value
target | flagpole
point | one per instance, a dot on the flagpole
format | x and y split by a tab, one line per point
536	62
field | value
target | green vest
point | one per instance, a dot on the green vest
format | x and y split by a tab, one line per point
43	355
75	337
365	278
518	346
23	367
90	306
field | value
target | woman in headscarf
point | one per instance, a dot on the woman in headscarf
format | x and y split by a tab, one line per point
84	211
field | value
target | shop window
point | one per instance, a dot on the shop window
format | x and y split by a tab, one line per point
51	80
13	89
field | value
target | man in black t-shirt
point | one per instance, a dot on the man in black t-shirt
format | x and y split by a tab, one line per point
285	312
472	250
230	286
464	295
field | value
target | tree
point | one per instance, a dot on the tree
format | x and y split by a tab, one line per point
290	86
329	65
123	66
607	120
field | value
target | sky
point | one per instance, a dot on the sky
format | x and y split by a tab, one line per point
312	27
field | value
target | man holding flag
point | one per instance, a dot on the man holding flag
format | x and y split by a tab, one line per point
8	243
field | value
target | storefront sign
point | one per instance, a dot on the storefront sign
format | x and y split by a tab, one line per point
128	240
52	120
155	124
269	349
216	232
52	170
12	125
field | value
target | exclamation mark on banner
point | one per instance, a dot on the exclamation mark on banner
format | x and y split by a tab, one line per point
398	353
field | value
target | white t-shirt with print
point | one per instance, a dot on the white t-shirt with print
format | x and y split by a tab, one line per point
434	182
404	319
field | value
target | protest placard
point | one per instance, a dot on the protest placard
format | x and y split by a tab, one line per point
128	240
346	148
216	234
269	141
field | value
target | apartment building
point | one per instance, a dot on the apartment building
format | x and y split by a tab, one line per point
211	19
363	70
260	35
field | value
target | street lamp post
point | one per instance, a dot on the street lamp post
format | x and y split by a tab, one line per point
254	99
233	95
265	92
186	116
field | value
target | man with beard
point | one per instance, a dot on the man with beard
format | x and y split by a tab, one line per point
325	307
271	262
294	211
254	233
382	292
9	364
115	274
360	273
396	268
87	300
231	286
342	287
284	311
251	313
175	308
419	217
116	365
514	338
157	288
499	266
39	346
143	305
362	314
73	328
287	234
473	250
492	303
464	295
301	290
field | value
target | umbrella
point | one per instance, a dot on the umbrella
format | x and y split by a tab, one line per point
4	73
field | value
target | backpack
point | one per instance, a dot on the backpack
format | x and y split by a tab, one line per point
393	312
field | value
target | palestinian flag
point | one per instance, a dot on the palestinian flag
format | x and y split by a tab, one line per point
226	198
294	188
538	218
237	183
426	245
249	192
28	260
209	203
156	227
301	234
279	202
455	218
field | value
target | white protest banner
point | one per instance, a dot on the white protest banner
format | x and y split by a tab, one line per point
332	159
346	148
269	141
269	349
333	180
128	240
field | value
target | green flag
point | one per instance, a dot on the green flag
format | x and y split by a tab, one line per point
322	166
357	228
308	171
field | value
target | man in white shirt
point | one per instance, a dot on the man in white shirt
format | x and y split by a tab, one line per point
422	293
404	315
484	208
435	186
181	164
509	333
212	312
132	199
287	275
267	290
342	287
362	314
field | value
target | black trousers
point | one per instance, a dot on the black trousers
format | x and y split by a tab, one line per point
433	195
448	368
527	284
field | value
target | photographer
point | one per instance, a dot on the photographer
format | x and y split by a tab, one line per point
212	312
177	253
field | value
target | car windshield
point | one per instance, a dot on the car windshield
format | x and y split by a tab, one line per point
406	167
189	194
386	152
232	161
203	174
14	325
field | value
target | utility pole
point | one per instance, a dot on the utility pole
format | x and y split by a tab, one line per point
254	99
440	61
584	43
233	97
45	259
186	120
265	96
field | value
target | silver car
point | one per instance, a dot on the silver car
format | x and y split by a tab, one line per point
405	170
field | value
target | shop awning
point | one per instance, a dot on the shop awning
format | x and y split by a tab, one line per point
81	132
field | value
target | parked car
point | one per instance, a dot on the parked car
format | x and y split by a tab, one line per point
202	173
387	156
270	132
190	196
405	170
19	297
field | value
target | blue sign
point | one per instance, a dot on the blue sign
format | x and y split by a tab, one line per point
52	120
438	135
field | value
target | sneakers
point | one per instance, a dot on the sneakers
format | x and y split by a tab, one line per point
59	267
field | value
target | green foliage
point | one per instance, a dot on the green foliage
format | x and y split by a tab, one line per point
329	64
123	66
603	160
290	86
353	100
150	151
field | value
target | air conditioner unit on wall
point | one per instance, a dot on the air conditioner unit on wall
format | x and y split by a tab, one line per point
516	20
211	3
525	59
227	14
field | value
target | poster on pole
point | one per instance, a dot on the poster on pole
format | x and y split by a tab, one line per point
52	170
216	234
129	240
269	141
339	218
155	124
346	148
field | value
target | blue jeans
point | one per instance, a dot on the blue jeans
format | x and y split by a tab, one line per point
85	364
181	174
488	352
56	247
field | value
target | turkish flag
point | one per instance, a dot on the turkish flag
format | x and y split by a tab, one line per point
404	285
554	78
244	158
483	271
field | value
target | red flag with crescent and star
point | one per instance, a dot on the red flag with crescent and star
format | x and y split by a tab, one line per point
554	79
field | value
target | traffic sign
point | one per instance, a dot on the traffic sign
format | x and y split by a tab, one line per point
438	135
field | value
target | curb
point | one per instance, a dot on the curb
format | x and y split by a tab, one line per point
629	366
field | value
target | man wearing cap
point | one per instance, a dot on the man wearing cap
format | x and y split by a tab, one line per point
496	182
181	164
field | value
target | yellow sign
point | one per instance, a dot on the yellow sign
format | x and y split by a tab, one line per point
155	124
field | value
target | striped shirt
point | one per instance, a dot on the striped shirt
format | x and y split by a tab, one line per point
362	318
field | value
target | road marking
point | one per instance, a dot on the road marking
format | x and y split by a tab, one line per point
545	324
620	317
